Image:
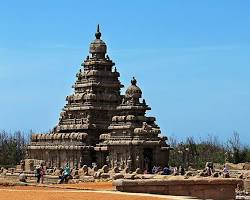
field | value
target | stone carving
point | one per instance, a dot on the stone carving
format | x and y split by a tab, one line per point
83	171
105	169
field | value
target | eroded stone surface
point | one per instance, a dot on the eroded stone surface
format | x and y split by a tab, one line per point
99	125
204	188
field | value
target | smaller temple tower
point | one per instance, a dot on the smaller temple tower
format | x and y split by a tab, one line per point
134	140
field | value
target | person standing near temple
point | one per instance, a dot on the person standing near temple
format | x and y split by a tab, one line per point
38	173
42	173
66	173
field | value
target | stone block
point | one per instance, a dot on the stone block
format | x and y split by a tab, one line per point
129	176
105	175
147	176
203	188
87	178
118	176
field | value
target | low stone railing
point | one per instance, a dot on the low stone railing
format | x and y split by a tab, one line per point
204	188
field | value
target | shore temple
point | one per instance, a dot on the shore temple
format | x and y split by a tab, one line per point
99	125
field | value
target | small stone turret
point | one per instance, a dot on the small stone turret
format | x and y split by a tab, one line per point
98	48
133	93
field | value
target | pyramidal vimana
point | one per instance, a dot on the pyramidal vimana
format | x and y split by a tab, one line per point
100	125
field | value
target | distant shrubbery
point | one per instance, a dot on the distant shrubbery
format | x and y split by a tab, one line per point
197	153
186	153
12	147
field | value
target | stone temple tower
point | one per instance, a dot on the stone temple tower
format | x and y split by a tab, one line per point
134	140
96	96
99	125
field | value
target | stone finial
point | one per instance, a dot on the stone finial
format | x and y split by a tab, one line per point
133	81
98	48
98	33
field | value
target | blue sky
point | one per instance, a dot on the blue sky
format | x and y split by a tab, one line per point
191	60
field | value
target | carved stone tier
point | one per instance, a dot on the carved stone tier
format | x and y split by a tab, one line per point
59	147
59	137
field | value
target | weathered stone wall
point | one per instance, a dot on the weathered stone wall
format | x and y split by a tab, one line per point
58	158
217	189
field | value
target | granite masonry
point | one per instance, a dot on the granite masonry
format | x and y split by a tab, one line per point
100	126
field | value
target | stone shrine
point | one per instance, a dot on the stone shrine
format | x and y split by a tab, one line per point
100	125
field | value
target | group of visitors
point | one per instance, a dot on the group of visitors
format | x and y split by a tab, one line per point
209	170
39	173
167	170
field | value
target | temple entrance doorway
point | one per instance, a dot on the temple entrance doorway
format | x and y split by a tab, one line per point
148	159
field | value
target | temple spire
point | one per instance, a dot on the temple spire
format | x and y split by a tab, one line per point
98	33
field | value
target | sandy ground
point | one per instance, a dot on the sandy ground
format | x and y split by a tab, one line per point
80	191
41	193
90	186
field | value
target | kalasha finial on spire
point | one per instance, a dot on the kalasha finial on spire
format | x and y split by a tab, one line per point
98	33
133	81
